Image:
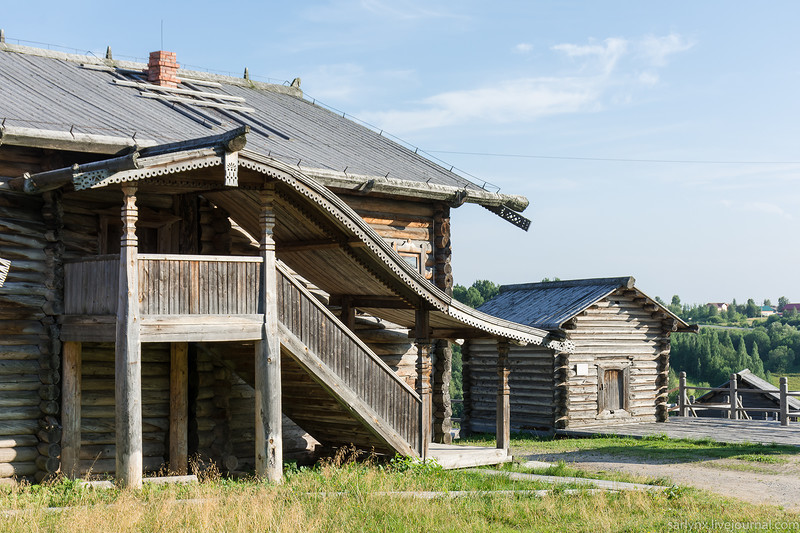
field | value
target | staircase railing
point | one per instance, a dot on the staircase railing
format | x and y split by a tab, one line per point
358	367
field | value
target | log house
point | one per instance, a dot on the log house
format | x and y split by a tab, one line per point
164	229
615	369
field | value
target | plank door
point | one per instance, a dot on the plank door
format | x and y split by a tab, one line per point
613	396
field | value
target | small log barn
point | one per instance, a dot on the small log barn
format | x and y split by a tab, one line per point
163	227
614	370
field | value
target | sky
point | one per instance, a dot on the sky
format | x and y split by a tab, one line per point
658	140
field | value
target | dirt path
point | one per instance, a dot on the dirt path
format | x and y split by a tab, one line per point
775	484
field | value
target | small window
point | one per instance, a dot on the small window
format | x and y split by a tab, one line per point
411	259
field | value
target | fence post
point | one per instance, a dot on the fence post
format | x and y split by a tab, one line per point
682	394
784	401
734	414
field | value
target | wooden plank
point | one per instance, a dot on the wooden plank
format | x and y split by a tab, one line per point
179	409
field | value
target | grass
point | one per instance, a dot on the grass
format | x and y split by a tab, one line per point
793	381
345	495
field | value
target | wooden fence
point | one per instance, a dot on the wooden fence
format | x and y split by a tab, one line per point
733	404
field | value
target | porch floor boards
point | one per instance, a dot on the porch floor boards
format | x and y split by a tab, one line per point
717	429
452	456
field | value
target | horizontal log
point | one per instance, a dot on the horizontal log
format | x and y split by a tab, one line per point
8	470
108	451
19	454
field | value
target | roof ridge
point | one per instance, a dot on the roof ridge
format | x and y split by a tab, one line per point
134	65
626	281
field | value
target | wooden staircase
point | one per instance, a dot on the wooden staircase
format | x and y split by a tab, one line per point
334	386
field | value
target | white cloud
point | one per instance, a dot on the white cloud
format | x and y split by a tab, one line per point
766	208
658	49
606	72
523	48
511	101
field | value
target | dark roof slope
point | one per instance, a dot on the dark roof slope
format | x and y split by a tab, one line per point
74	95
548	305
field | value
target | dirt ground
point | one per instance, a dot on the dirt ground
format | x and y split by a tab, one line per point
760	483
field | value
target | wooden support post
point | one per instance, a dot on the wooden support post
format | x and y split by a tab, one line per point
269	433
179	408
682	394
784	385
734	413
348	316
423	341
503	397
128	357
71	410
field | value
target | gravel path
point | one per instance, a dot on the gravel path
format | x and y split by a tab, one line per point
775	484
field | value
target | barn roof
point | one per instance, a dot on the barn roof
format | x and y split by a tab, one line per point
548	305
102	105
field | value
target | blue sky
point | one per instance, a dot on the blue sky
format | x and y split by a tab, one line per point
659	140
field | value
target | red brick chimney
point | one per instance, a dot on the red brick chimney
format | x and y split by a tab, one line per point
162	69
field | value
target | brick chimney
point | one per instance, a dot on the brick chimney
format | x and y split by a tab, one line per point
162	69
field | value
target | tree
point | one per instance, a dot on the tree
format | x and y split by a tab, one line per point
780	359
767	302
782	302
487	289
751	309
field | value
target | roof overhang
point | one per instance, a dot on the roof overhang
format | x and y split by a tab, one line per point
357	246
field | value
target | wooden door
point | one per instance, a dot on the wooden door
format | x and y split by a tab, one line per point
613	390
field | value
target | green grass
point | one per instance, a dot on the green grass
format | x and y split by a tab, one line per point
345	495
793	381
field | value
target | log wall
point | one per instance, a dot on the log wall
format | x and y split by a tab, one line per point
30	237
98	437
617	332
531	382
558	390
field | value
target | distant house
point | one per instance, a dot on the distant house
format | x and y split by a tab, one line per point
745	379
791	308
767	310
720	307
616	373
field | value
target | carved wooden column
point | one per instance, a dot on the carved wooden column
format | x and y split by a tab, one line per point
269	432
128	358
423	341
503	397
466	386
179	408
71	409
443	360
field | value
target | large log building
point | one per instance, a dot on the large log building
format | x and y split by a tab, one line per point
612	367
165	229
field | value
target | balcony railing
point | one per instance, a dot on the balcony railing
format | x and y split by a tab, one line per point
168	285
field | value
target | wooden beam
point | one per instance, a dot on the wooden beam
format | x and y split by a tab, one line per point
179	408
459	333
71	409
317	244
269	432
128	357
378	302
503	397
423	341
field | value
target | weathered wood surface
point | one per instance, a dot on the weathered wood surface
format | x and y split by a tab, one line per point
357	369
71	409
179	408
168	285
717	429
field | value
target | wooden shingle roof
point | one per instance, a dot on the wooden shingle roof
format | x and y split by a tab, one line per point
548	305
